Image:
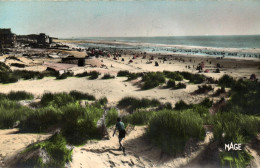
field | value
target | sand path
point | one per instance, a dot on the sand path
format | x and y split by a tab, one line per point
139	153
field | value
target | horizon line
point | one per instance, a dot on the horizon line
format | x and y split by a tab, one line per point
155	36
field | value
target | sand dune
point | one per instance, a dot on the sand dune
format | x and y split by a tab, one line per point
12	142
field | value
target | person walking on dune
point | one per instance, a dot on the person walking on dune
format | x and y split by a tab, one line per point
121	128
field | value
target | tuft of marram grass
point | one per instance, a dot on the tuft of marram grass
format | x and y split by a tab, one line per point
152	79
123	73
56	99
108	76
81	96
170	130
11	112
56	150
135	103
111	117
19	95
93	75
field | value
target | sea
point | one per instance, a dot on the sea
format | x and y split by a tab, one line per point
157	44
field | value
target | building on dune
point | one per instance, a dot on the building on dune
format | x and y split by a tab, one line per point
59	67
7	38
93	62
35	40
74	60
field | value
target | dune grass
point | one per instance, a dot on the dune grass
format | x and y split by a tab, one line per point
56	149
83	74
123	73
219	91
173	75
11	113
237	128
81	96
108	76
101	102
171	83
139	117
132	76
235	159
56	99
80	124
193	78
24	74
152	79
42	119
170	130
111	117
244	97
19	95
134	103
203	89
4	67
93	75
226	81
8	77
65	75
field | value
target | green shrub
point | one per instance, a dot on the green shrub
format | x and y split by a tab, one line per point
180	86
237	128
57	151
123	73
203	89
226	81
41	120
244	90
93	75
170	130
166	105
28	74
176	76
135	103
19	95
80	124
64	75
206	103
111	117
181	105
84	74
3	96
235	159
219	91
141	117
18	65
4	67
8	77
56	99
81	96
132	76
11	113
193	78
152	79
108	76
171	83
204	113
101	102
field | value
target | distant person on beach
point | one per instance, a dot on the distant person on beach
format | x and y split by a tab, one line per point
121	128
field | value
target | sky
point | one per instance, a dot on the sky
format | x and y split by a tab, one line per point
67	19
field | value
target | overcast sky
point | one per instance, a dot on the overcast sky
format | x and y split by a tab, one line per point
132	18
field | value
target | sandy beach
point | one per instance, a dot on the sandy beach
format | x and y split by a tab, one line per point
98	154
